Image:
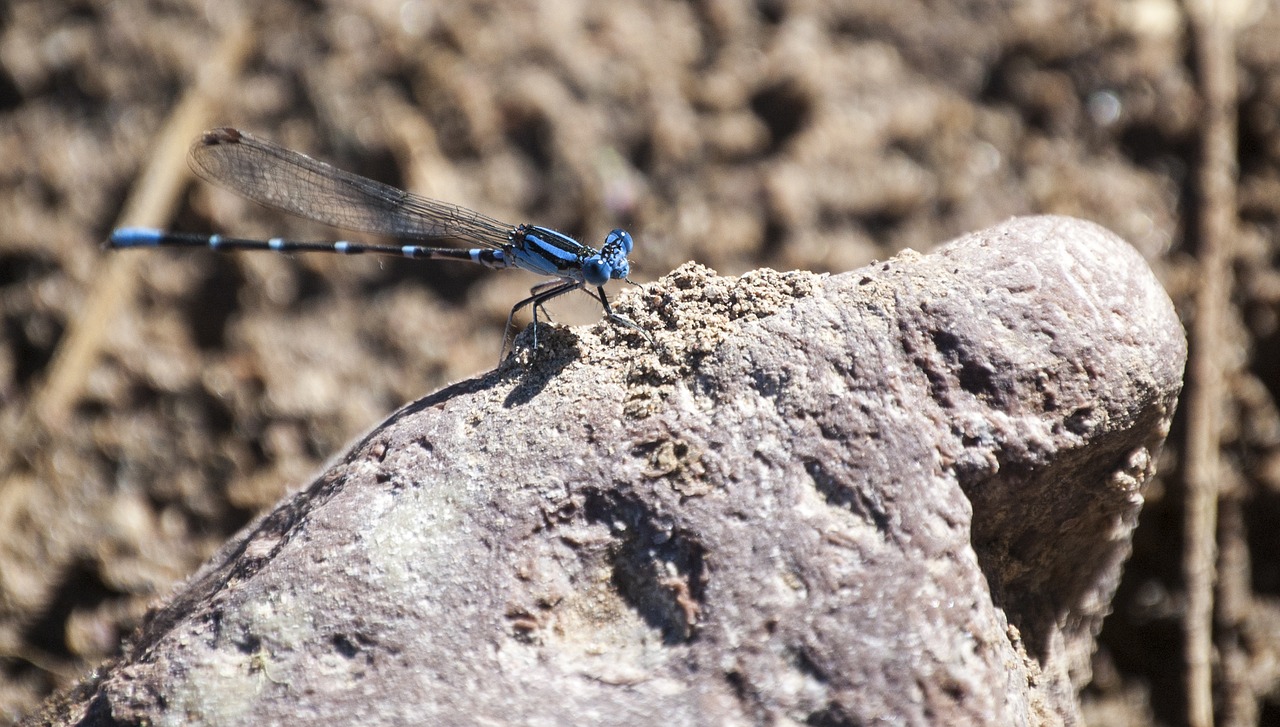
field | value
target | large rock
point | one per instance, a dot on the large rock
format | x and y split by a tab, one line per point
900	495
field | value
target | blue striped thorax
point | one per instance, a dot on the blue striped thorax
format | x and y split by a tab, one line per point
547	252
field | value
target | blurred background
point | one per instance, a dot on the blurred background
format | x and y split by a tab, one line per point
154	402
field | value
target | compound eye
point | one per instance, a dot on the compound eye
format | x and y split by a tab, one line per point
621	239
596	272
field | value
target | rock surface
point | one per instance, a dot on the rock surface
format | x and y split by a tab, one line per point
900	495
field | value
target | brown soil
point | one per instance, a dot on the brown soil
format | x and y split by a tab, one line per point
154	402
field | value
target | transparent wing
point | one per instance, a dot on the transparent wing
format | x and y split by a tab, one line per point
277	177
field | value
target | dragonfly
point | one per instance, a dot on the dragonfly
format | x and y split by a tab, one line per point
293	182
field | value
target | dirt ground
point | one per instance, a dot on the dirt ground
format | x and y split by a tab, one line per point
151	403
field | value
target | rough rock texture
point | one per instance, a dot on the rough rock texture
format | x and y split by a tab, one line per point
899	495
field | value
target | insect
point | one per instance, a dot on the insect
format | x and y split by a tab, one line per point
293	182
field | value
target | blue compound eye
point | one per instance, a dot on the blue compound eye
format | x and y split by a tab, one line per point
595	271
620	238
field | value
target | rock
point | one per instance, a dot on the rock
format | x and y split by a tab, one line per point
900	495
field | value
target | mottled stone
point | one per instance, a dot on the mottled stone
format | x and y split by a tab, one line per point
900	495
